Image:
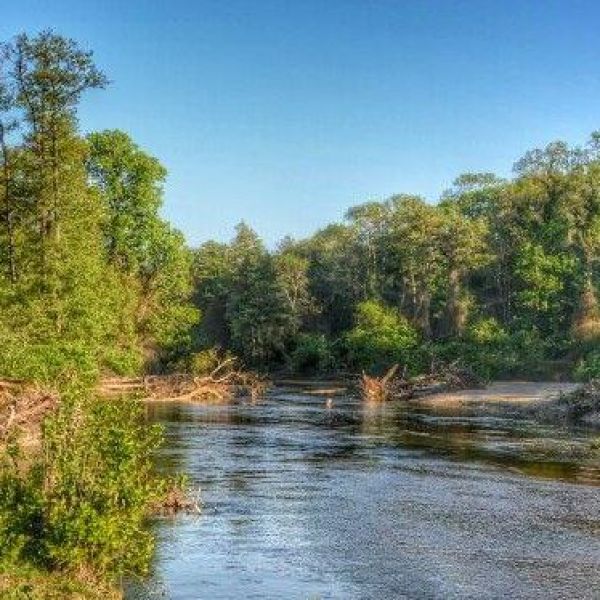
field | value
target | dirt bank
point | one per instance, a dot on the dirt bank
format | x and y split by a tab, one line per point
500	392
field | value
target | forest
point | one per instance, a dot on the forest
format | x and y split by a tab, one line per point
498	274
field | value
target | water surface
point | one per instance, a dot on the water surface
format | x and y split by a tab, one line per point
354	501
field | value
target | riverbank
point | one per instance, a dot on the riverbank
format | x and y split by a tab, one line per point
541	400
501	392
497	392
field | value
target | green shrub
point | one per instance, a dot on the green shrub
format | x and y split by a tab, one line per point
52	363
83	504
523	353
486	348
487	332
123	361
203	362
312	354
29	583
493	352
588	368
380	338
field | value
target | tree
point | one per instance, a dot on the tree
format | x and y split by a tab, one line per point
130	184
256	306
213	273
414	257
336	275
150	256
52	240
291	273
464	247
380	338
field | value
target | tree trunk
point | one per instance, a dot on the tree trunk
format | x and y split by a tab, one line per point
423	317
8	206
457	313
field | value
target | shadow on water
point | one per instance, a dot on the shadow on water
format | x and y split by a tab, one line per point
388	501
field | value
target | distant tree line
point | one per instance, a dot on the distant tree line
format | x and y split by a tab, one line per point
501	274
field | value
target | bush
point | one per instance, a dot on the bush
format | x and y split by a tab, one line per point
123	361
493	352
52	363
203	362
588	368
312	354
487	348
487	332
380	338
84	502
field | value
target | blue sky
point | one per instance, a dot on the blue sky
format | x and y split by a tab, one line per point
286	112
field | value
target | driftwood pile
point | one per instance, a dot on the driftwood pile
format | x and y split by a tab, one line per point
398	387
23	407
380	389
223	383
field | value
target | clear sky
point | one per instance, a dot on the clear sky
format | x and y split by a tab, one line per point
286	112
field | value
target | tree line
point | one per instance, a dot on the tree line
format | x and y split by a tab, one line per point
500	273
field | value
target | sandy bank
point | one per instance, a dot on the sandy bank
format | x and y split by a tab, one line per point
500	392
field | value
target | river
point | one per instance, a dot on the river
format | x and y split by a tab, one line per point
302	500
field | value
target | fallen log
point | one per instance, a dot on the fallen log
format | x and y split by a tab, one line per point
378	389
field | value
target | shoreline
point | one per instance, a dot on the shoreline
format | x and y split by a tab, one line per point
517	393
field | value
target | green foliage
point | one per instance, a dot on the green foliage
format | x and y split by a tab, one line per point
150	256
206	361
380	338
25	582
91	279
488	332
52	363
336	275
251	302
588	367
543	278
493	352
312	354
84	502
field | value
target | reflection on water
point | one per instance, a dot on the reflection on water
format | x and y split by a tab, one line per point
355	501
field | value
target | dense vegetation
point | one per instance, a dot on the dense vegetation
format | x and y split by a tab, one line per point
92	281
501	274
91	276
82	503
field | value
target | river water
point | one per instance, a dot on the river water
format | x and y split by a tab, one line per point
302	500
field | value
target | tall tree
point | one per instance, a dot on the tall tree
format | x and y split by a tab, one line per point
149	254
